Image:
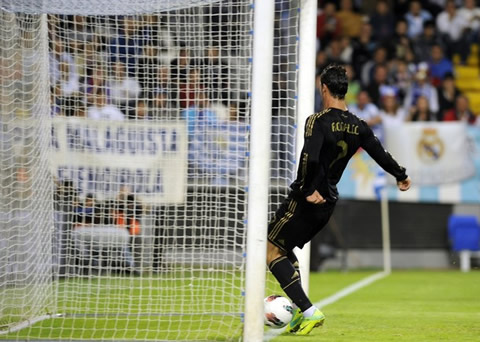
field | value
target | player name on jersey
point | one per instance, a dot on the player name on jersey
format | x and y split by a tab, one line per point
339	126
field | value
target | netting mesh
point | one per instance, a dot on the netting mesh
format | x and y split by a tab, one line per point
25	183
148	127
105	7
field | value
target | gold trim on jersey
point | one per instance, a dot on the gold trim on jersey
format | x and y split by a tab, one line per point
311	122
288	215
303	170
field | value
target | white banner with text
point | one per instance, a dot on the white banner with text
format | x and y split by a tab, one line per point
102	157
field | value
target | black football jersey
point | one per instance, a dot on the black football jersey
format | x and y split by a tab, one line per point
331	138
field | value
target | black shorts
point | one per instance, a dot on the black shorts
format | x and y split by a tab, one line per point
297	221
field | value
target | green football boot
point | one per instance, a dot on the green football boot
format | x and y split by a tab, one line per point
308	323
295	322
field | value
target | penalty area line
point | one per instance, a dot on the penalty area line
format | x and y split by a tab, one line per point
272	333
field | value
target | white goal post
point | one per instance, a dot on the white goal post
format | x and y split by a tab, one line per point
143	146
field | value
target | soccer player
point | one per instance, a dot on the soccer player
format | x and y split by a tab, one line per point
331	138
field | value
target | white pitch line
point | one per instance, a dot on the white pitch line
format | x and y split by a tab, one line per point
27	323
272	333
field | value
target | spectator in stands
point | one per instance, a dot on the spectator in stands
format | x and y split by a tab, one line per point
391	112
329	26
363	48
179	67
416	18
97	79
162	78
353	86
380	56
420	111
124	89
199	115
87	212
149	64
380	79
400	45
351	21
158	38
126	45
179	70
368	111
68	81
58	54
161	106
401	77
424	42
451	26
140	110
383	22
78	31
447	93
215	75
128	215
347	50
461	112
87	59
189	90
101	110
82	40
421	87
471	16
334	52
439	65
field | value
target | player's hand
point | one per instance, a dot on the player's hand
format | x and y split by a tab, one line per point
316	198
405	184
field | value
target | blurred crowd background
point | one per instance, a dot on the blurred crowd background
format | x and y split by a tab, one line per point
406	60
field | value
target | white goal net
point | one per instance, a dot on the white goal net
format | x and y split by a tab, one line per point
26	223
124	131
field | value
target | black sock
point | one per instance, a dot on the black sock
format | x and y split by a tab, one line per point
293	259
289	280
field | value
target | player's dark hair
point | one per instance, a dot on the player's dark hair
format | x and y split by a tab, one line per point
335	78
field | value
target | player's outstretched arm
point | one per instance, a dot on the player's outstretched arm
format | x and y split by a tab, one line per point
404	185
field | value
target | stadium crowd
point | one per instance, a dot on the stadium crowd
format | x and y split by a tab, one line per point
399	56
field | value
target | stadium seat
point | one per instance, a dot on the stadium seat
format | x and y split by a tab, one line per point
468	84
474	99
464	72
464	236
472	60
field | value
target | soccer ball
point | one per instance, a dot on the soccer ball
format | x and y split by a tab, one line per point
278	311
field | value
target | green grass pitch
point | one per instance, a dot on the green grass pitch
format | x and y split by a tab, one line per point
405	306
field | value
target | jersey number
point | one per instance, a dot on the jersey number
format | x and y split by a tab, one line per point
344	148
